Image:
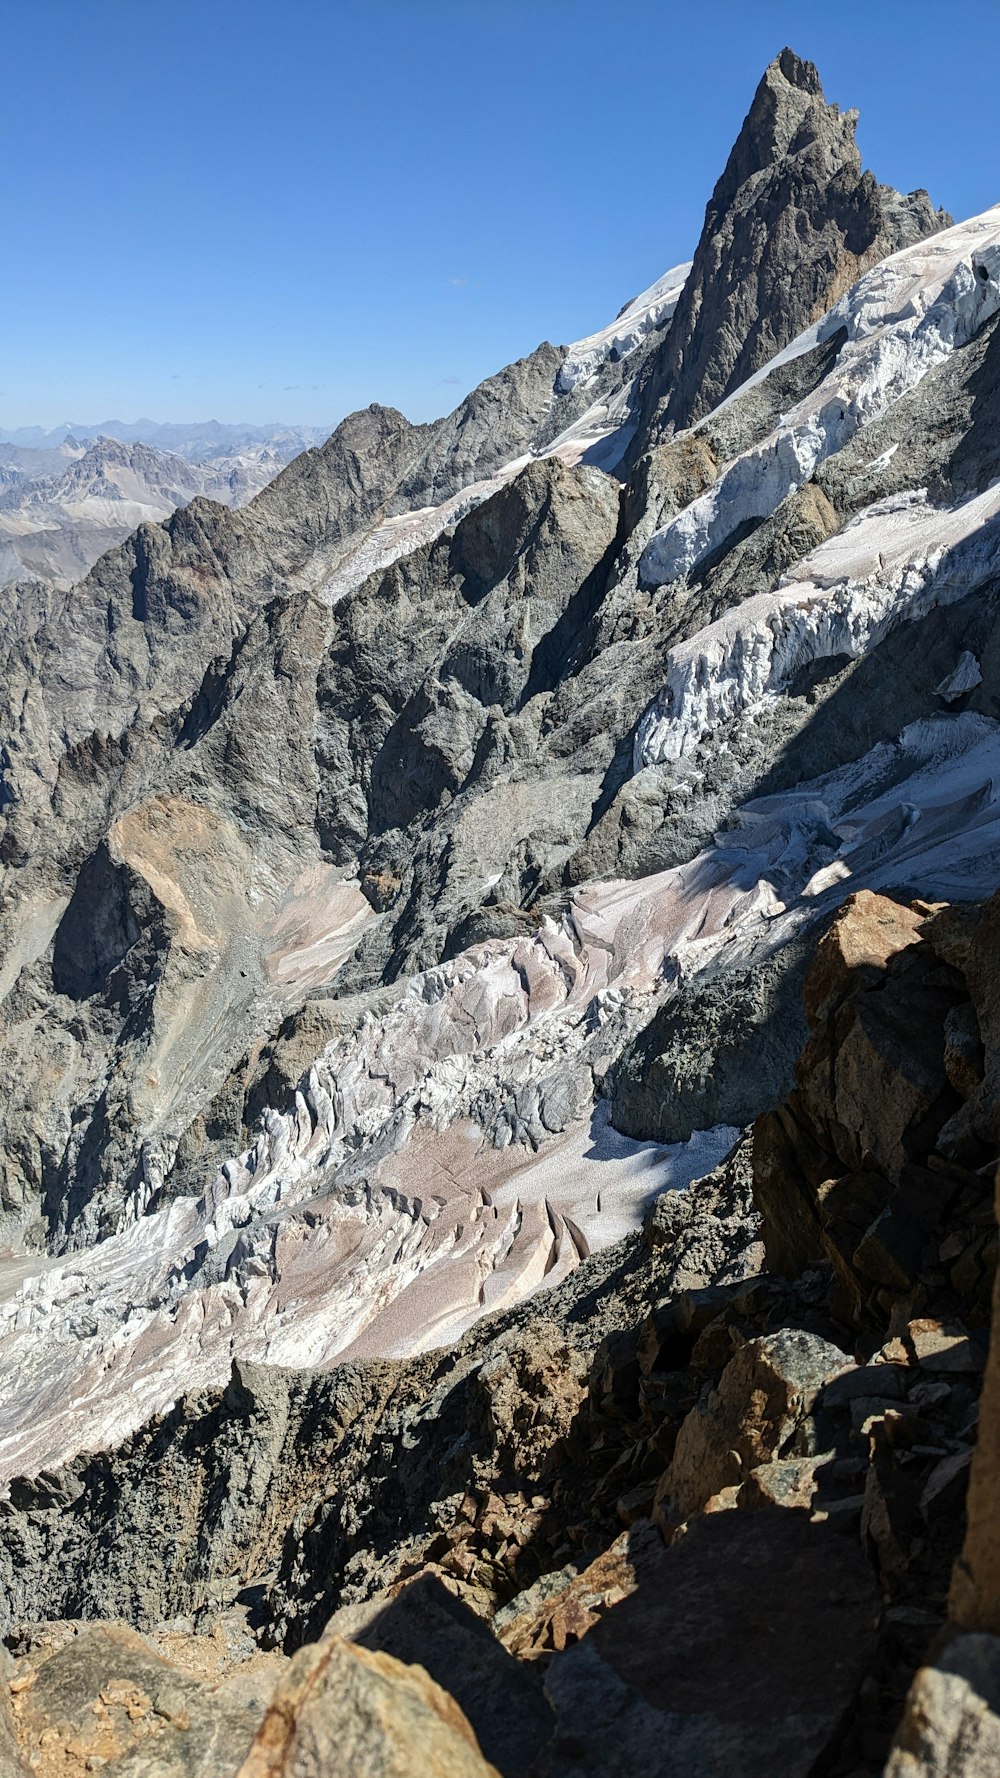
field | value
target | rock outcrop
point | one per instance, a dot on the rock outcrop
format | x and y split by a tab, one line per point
791	224
951	1728
875	1162
341	1706
500	1053
188	1705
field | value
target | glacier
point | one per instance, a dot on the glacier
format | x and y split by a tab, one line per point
646	313
316	1245
901	319
893	563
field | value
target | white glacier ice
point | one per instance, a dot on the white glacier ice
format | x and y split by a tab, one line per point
401	1197
966	676
892	564
902	318
646	312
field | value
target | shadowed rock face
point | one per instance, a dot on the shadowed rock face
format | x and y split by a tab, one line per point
791	223
447	726
368	854
873	1162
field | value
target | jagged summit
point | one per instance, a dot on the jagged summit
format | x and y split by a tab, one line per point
793	220
407	886
795	71
788	112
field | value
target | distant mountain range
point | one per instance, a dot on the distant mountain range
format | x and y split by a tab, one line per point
500	1045
196	440
68	495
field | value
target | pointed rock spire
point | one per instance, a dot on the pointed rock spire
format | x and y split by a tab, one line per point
792	222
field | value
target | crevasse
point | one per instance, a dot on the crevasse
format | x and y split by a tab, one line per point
898	560
902	318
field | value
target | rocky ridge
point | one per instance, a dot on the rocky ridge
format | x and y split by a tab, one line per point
406	878
63	505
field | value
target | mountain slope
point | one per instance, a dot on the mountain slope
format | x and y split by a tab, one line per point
62	507
415	883
352	837
791	223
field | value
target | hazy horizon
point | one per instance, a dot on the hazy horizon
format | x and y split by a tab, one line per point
182	422
260	235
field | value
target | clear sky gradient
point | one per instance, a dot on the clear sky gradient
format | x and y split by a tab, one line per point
253	210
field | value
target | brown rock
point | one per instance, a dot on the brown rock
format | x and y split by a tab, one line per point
565	1616
10	1759
424	1622
867	931
350	1710
763	1394
939	1346
106	1697
845	1169
532	1387
951	1726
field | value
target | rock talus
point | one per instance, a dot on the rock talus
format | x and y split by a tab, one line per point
500	1055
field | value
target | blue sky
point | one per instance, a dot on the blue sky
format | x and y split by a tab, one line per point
247	210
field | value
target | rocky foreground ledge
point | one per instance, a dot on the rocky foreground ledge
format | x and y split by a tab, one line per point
702	1508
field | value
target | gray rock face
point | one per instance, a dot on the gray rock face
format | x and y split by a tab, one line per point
337	1480
720	1052
792	222
513	412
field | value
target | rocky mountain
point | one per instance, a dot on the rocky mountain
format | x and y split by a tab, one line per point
792	223
196	442
499	1049
67	500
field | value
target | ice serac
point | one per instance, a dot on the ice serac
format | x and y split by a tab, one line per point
896	324
791	223
412	885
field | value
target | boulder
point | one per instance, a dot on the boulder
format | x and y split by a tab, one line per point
741	1654
764	1393
344	1709
106	1701
951	1725
423	1621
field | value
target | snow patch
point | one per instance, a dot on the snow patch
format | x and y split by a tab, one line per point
894	563
652	309
966	676
902	318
